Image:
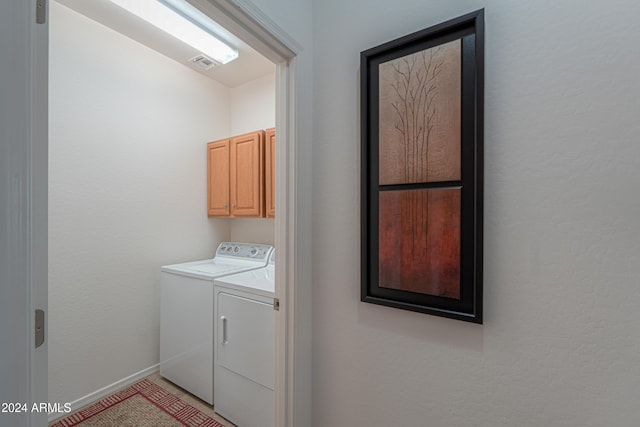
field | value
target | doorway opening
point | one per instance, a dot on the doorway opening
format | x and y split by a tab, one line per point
280	53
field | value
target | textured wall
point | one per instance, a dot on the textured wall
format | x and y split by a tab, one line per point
253	107
127	195
560	342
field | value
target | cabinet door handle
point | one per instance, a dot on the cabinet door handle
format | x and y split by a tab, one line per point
224	329
233	205
225	206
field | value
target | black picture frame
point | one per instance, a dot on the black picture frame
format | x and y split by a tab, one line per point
466	302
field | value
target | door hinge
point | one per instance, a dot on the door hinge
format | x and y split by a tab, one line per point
39	328
41	11
276	304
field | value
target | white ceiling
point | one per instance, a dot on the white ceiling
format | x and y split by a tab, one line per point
250	65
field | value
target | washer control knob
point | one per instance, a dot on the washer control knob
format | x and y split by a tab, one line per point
223	248
236	249
253	252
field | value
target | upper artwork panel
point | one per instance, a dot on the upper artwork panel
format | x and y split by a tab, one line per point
419	124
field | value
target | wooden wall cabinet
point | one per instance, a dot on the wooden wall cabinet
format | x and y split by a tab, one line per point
270	172
218	159
236	176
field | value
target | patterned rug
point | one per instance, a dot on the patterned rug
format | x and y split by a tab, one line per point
144	404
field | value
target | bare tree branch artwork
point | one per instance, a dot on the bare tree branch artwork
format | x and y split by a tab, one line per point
419	139
422	124
416	89
419	124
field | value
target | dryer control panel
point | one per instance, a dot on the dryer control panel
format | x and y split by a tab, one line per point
244	250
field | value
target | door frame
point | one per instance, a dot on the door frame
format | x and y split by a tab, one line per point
23	208
247	22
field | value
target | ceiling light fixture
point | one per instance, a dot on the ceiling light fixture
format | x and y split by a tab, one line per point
184	22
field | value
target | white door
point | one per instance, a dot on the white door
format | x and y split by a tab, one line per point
23	212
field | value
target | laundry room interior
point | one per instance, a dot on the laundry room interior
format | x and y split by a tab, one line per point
128	185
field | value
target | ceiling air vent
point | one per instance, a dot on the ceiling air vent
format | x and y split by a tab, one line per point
203	62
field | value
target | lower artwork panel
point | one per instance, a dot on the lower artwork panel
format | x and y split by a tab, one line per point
419	246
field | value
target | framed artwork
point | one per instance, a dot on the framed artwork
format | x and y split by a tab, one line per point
422	170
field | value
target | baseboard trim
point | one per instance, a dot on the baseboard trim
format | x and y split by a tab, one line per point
105	391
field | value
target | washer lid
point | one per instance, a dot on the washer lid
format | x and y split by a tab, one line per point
210	268
231	258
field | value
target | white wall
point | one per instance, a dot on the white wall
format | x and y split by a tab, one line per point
253	107
560	342
127	194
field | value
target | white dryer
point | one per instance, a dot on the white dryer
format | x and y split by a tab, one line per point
244	350
187	314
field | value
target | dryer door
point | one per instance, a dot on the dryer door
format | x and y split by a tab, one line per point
245	338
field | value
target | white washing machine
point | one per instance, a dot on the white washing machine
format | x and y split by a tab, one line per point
187	314
244	349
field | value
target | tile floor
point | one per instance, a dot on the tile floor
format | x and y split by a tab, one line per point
188	398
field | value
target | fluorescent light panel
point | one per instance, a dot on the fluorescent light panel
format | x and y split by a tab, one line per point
184	22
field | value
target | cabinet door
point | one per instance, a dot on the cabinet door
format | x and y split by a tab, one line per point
218	173
247	175
270	172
